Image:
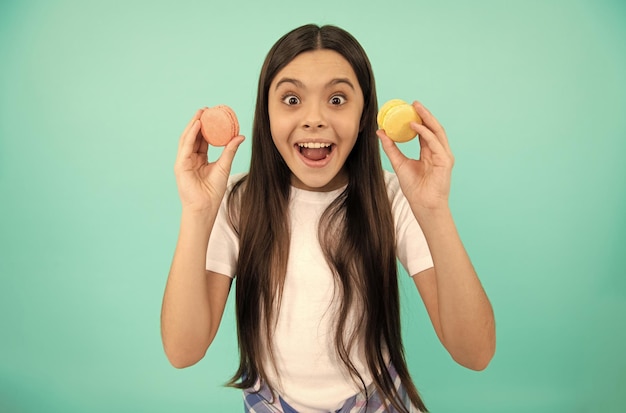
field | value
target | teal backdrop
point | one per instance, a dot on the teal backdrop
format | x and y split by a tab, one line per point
94	96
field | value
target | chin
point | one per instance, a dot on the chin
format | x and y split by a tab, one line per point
317	183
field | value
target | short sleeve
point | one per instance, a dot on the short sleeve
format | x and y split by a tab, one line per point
223	248
412	248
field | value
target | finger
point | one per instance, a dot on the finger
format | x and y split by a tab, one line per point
225	161
432	123
428	138
431	149
190	141
201	146
425	152
195	117
396	157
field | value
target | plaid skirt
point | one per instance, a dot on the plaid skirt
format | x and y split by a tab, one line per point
263	402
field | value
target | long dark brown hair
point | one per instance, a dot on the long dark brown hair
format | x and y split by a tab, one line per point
356	233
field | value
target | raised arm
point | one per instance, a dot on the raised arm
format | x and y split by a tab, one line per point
194	298
452	293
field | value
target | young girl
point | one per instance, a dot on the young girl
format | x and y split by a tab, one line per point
311	236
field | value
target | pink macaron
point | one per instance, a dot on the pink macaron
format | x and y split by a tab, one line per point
219	125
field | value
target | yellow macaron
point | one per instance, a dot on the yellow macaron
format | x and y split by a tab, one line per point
395	118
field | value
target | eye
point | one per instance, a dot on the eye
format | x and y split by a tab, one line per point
291	100
337	100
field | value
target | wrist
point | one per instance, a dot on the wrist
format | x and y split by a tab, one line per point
198	221
433	217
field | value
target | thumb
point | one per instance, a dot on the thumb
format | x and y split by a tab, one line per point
225	161
396	157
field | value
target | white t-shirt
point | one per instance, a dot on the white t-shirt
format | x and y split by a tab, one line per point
308	374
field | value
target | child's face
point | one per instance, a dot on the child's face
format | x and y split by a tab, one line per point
315	105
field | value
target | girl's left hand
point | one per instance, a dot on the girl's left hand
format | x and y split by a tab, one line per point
425	182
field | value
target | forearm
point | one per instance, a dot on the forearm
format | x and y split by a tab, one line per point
465	314
185	318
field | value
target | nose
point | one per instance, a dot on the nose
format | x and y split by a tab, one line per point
314	118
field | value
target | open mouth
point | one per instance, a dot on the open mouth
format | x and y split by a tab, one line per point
315	151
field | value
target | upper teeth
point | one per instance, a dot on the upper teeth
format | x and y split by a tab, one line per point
314	145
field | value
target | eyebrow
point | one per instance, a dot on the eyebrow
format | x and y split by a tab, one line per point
300	85
341	80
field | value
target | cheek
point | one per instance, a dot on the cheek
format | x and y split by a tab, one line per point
349	126
279	130
279	122
274	123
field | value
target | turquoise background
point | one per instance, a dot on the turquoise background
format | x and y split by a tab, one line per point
93	98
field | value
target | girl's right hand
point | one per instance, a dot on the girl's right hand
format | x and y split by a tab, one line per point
201	185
